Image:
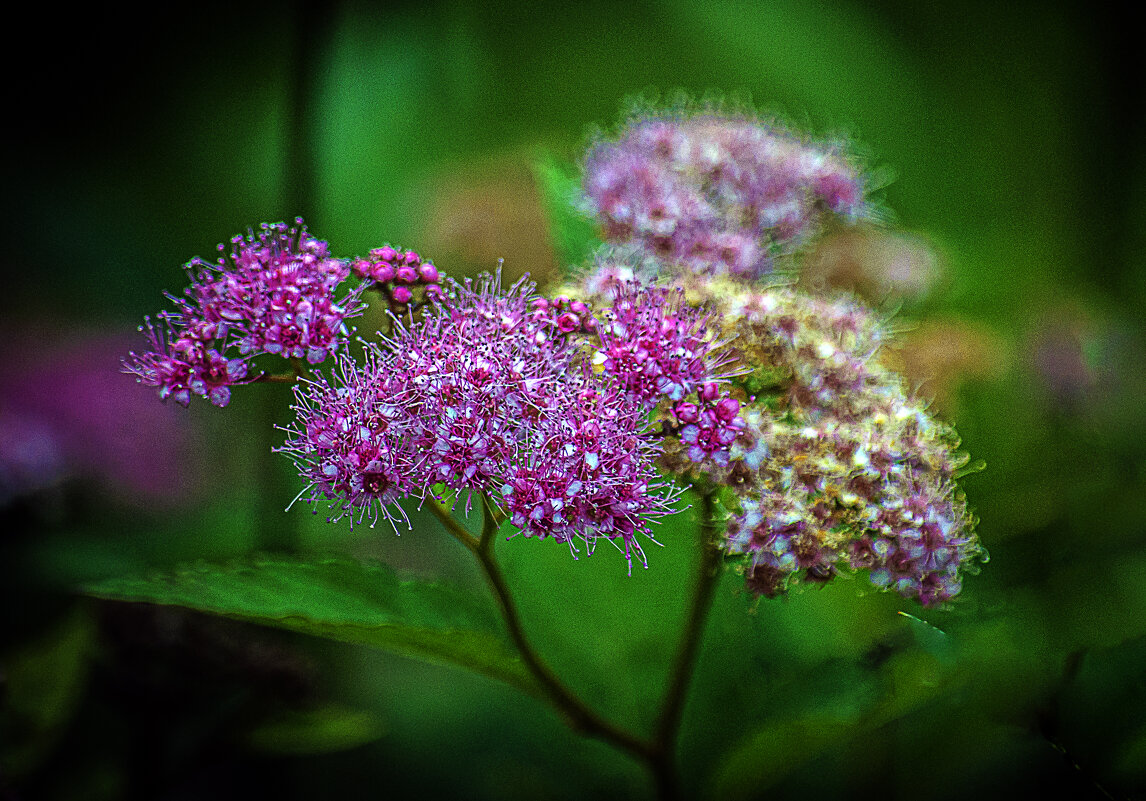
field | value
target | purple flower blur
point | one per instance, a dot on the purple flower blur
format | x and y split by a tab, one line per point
717	194
65	414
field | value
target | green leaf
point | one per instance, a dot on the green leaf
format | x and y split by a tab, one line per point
339	600
908	681
775	750
574	234
326	729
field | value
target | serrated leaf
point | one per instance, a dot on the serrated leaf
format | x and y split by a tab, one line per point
339	600
327	729
574	234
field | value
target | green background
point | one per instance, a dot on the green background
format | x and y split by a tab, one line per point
1016	144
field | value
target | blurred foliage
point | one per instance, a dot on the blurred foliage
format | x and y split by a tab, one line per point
1015	136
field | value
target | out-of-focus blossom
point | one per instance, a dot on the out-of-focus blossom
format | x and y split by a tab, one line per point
1072	354
478	215
718	194
31	456
938	355
874	263
65	413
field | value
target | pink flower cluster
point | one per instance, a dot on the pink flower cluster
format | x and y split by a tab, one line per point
485	393
273	292
180	361
400	275
660	349
717	195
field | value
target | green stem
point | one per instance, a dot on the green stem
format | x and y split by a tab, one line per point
667	727
658	753
577	714
275	532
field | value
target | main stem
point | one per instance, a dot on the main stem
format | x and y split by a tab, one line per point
659	752
667	727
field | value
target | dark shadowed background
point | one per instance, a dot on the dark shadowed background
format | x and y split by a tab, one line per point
1015	146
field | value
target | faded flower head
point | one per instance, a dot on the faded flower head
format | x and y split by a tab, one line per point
829	464
270	293
717	194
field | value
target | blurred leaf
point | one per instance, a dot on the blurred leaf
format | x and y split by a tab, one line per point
323	730
45	681
574	234
1131	758
774	751
930	638
779	747
339	600
1101	712
913	679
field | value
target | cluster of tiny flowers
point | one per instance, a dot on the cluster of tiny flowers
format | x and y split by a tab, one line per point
661	351
565	315
351	438
717	195
485	393
272	292
402	276
827	463
180	363
853	495
590	469
846	469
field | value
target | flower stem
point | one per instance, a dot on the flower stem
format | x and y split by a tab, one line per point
275	532
659	752
667	727
577	714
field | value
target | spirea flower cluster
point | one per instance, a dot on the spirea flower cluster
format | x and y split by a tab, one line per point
485	393
826	463
402	276
717	195
272	292
676	352
663	353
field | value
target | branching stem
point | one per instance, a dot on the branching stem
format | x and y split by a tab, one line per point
579	716
658	753
667	726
